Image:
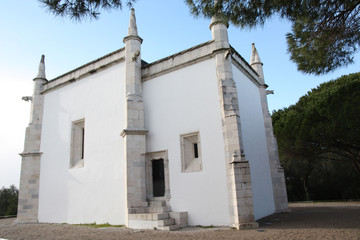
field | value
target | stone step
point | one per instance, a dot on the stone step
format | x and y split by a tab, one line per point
136	210
169	228
181	218
156	215
148	216
158	203
162	209
166	222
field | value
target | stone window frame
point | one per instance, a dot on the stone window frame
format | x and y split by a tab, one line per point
189	161
77	147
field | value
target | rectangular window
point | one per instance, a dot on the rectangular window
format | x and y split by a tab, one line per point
77	144
191	152
196	153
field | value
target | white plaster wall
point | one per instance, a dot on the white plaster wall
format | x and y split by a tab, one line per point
181	102
94	193
255	147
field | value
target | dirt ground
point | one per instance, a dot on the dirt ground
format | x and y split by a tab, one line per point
340	220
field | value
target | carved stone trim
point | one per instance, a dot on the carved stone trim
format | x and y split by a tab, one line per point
133	37
30	154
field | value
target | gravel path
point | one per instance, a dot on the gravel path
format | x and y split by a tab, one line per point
340	220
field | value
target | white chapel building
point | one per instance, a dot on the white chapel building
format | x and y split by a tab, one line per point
185	140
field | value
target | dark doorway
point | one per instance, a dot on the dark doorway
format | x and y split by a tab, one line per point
158	177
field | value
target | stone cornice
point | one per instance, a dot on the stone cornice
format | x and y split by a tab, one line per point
178	60
165	65
126	132
89	68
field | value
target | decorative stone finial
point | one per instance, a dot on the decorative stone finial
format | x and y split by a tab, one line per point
132	24
254	56
234	156
256	64
41	72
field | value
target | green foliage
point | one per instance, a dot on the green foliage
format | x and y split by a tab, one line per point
319	140
209	226
94	225
80	9
324	41
8	201
325	34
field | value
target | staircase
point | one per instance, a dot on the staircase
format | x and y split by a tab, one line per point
157	215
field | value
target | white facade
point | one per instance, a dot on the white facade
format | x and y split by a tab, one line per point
73	195
182	98
140	123
255	145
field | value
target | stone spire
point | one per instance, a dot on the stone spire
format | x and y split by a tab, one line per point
133	59
132	31
31	156
255	58
256	63
134	133
41	72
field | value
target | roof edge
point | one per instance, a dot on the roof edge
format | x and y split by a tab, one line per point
180	59
88	68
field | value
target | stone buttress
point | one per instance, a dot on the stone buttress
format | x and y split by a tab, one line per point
134	133
277	172
237	167
30	165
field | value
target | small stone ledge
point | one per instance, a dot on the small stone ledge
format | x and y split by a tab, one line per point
133	37
29	154
126	132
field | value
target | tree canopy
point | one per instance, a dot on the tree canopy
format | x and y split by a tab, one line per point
80	9
320	135
8	201
324	123
325	33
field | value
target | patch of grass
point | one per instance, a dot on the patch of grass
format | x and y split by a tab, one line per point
201	226
94	225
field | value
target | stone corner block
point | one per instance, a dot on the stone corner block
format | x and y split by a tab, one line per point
247	226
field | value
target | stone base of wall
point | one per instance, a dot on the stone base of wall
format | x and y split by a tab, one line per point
246	226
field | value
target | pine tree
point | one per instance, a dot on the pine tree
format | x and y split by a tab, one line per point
81	9
325	33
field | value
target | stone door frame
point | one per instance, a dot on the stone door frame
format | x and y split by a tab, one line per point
149	157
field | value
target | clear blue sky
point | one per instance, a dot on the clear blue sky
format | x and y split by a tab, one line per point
27	31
